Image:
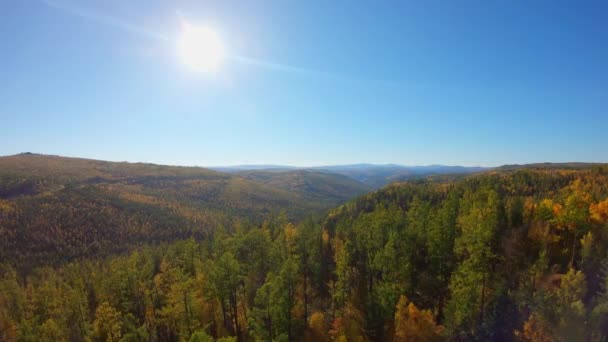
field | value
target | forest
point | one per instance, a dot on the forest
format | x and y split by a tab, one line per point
55	209
507	255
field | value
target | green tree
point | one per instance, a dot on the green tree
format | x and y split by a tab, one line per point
574	217
226	279
571	309
440	244
179	311
341	289
309	242
262	314
471	284
200	336
283	299
50	331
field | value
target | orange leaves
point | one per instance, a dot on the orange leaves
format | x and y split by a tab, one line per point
534	331
529	207
349	326
316	323
413	324
599	212
557	209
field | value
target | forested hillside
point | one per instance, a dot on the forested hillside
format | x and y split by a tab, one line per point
55	209
322	187
371	175
378	176
510	255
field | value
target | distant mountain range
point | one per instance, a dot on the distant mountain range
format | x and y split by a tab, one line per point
372	175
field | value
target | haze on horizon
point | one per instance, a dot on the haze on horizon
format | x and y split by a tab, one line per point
305	83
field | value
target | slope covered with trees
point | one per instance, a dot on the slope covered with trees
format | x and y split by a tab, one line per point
374	176
56	209
322	187
515	255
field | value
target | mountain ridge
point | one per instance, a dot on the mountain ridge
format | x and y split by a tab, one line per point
77	207
373	175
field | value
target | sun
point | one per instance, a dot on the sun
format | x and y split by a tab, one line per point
200	48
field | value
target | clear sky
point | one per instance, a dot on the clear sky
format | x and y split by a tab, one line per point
308	82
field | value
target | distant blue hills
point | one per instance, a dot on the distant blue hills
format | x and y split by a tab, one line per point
373	175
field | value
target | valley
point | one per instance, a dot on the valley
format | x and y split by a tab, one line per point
147	252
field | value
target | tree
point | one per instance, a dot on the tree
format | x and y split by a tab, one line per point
558	313
226	279
599	212
342	286
574	217
599	313
179	311
50	331
261	318
412	324
349	325
282	299
107	325
318	331
272	316
396	268
571	309
470	285
309	242
440	245
535	331
200	336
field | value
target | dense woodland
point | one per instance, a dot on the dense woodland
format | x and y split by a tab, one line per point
509	255
55	209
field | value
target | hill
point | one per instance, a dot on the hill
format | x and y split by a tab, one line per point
494	256
375	176
549	166
378	176
61	207
321	187
500	256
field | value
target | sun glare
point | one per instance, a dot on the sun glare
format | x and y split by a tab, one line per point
200	48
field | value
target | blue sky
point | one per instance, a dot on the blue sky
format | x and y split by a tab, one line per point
312	83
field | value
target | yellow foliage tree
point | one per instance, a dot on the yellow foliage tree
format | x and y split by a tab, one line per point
51	331
107	325
289	234
413	324
316	323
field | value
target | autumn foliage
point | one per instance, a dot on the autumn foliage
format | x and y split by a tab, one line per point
415	325
507	255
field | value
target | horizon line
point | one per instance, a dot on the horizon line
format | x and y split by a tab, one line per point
279	165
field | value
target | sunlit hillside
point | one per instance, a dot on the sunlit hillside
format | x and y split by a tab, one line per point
56	208
506	255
